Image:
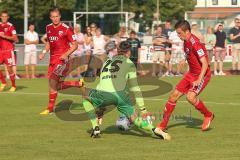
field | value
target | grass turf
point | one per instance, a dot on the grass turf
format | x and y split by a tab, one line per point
28	136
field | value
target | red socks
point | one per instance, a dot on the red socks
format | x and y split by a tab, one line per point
12	78
68	84
2	78
199	105
52	99
167	114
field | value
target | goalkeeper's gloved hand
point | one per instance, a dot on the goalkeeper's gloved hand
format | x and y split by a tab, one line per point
146	115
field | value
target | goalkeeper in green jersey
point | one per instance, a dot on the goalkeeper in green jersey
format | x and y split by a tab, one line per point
112	89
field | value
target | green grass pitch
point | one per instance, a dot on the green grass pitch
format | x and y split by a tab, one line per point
25	135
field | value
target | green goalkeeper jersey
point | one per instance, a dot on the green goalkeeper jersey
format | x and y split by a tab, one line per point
116	73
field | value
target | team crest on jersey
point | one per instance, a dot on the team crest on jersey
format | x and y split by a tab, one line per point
60	33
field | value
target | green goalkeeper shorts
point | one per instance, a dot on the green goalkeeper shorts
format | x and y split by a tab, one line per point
120	99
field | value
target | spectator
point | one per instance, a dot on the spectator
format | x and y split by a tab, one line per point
167	31
177	56
135	48
220	50
99	54
196	32
210	41
159	54
93	28
79	52
122	35
88	40
30	59
235	38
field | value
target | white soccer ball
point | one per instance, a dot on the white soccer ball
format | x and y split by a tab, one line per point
123	123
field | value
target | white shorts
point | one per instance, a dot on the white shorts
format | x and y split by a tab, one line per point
158	56
176	57
30	58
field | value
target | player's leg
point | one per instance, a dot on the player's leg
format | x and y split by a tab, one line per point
169	107
3	81
201	107
2	78
192	97
90	110
12	78
52	93
9	60
98	99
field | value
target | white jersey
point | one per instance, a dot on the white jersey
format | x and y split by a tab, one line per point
99	44
31	36
177	44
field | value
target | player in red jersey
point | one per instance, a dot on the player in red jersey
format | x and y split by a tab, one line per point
8	37
61	43
195	80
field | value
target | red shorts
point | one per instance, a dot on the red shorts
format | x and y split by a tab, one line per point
185	85
8	58
58	70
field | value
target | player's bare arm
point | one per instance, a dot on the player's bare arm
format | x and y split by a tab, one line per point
203	71
73	47
44	51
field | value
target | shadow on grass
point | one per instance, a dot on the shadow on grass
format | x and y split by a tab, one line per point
192	123
21	87
133	131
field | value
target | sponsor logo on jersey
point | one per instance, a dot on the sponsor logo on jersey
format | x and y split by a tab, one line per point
53	38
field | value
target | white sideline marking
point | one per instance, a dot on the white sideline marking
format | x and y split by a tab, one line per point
149	99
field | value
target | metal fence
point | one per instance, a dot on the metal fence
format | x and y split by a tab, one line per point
19	50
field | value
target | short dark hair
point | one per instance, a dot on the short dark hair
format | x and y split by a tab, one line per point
133	32
54	9
183	24
4	11
123	47
168	21
31	24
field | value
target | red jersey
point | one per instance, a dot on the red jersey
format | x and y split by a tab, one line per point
9	30
59	39
194	51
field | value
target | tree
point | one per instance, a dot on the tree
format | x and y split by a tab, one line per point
38	11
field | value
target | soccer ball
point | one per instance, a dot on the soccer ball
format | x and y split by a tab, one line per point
123	123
